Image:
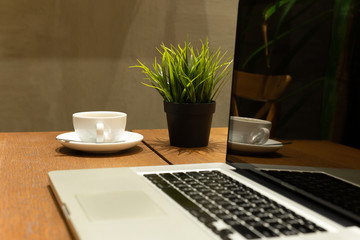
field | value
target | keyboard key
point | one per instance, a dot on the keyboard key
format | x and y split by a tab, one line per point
230	207
287	231
253	222
224	234
182	176
302	228
204	202
225	216
246	232
157	180
181	199
195	175
211	207
169	177
219	212
231	222
265	231
202	216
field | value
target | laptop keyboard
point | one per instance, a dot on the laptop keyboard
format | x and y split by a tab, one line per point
228	207
323	186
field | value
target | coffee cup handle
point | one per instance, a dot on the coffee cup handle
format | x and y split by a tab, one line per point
100	137
261	136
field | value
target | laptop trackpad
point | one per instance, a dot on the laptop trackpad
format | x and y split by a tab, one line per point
118	205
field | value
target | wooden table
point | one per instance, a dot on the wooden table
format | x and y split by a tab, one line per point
299	152
28	209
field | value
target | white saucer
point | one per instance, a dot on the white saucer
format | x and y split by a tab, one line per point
269	146
71	140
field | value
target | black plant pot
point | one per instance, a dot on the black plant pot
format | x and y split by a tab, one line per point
189	124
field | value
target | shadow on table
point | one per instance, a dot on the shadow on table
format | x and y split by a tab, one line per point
76	153
163	145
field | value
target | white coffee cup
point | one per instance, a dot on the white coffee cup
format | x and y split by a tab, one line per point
99	126
249	130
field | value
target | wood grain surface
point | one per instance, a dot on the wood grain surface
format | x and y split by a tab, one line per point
27	205
299	152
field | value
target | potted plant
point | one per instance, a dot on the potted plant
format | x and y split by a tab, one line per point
188	80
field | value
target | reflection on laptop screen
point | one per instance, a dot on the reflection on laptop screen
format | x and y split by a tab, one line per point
281	60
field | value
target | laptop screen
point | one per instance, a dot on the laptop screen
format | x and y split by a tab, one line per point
281	65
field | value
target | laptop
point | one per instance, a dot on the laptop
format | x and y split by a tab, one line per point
229	201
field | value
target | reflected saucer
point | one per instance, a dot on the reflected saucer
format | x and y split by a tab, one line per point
71	140
269	146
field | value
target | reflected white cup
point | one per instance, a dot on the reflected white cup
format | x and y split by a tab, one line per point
249	130
99	126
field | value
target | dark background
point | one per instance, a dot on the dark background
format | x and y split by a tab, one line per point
300	110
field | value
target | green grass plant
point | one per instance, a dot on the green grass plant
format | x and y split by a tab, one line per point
188	75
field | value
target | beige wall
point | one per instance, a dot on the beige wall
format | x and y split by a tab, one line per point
58	57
